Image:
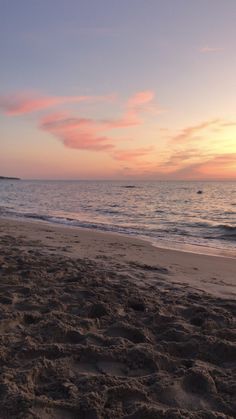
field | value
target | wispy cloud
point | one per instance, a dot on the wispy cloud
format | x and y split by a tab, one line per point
84	133
140	99
29	102
191	131
186	155
207	49
137	105
222	166
183	157
196	151
91	134
201	167
77	133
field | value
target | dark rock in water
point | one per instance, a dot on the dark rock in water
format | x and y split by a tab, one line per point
199	192
129	186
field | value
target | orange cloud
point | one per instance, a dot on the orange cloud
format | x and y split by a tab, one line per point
222	167
207	167
214	156
181	158
23	103
191	131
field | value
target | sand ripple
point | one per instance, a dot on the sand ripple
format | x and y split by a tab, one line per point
81	339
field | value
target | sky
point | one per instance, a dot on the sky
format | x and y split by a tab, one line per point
128	89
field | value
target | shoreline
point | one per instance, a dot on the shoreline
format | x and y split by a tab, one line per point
159	244
206	272
100	325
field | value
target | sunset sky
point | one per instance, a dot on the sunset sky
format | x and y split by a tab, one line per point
108	89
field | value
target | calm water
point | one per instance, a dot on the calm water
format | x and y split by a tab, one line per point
170	212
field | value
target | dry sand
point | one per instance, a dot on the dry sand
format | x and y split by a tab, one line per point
98	325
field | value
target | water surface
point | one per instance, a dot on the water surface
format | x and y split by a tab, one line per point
173	213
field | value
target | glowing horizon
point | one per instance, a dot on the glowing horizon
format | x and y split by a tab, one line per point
169	116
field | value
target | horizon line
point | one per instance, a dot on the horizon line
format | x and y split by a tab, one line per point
117	180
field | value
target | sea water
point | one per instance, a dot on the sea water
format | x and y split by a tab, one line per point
172	213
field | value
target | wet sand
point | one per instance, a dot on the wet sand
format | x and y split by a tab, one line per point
99	325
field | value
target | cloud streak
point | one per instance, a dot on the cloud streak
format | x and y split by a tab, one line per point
207	49
82	133
140	99
29	102
195	151
223	165
91	134
77	133
187	154
191	131
198	166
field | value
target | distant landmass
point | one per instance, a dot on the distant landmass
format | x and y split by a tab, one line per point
9	178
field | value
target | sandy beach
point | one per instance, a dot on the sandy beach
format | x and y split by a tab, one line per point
99	325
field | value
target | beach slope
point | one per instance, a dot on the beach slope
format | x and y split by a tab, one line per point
98	325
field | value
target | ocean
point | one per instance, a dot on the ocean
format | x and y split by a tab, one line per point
168	214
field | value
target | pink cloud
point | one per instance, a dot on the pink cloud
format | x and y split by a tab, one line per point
56	122
140	98
224	159
28	102
206	49
87	141
73	129
77	133
88	134
83	133
60	120
139	103
129	119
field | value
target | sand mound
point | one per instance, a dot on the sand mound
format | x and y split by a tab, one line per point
80	340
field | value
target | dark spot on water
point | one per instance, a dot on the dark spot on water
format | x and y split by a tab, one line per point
129	186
